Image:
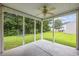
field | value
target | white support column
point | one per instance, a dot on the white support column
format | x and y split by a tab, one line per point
41	30
23	30
34	30
53	32
1	29
77	30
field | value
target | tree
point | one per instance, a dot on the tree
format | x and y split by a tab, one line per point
57	24
46	26
13	25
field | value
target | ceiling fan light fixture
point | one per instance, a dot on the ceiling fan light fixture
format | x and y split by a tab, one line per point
45	10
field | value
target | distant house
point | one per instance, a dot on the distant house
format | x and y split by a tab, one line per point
70	27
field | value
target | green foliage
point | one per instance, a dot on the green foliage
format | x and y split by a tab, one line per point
29	26
13	25
57	24
38	27
45	26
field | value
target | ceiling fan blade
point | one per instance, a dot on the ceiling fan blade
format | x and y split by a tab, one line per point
40	8
50	13
38	14
51	9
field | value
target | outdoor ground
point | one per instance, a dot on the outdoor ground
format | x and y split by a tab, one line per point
60	37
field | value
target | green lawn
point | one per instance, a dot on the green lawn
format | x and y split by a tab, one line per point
62	38
14	41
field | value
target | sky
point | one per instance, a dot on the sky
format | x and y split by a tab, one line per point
68	18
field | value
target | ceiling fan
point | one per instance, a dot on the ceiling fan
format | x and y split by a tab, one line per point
46	10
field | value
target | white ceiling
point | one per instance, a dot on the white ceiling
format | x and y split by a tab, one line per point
33	8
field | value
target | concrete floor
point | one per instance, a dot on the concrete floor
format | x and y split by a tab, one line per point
42	48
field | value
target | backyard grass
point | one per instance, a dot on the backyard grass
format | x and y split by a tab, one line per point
14	41
60	37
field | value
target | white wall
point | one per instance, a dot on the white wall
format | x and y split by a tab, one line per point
70	28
